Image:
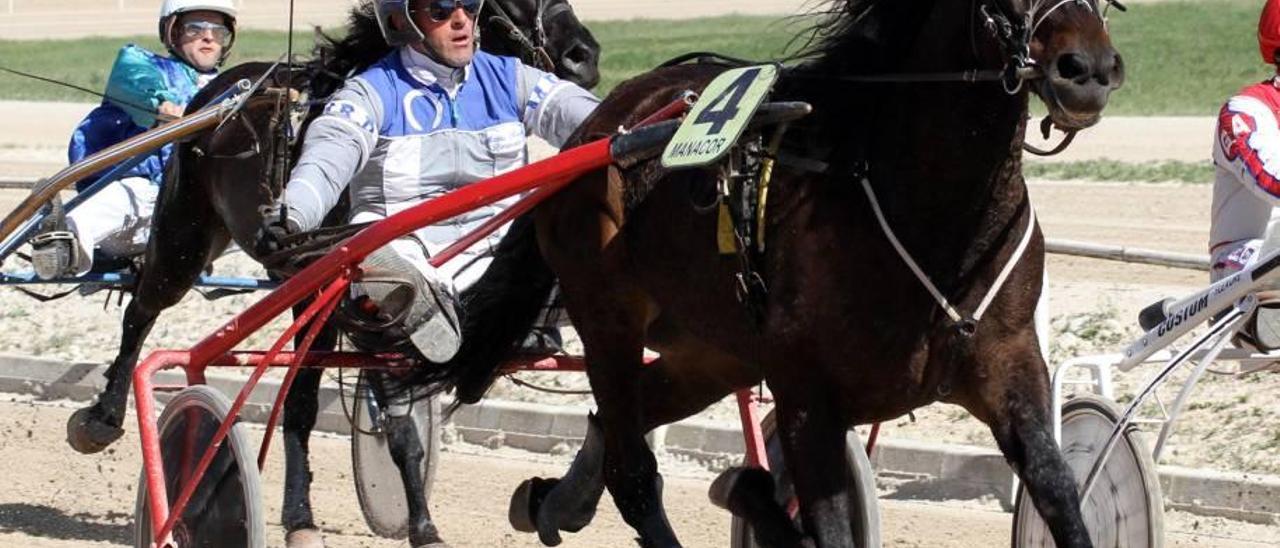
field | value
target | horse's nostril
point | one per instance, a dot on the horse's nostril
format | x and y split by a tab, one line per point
1117	70
1072	66
578	54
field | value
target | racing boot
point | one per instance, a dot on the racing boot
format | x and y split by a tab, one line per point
53	251
408	306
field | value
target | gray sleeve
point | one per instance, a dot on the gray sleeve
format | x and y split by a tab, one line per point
336	146
550	107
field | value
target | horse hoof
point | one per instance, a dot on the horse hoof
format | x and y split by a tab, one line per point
304	538
739	484
526	501
89	434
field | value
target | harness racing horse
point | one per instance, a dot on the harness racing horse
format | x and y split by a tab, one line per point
214	194
901	263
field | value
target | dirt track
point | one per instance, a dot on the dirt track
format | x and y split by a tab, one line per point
54	497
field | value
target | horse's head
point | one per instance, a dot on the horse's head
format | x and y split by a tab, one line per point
543	32
1077	66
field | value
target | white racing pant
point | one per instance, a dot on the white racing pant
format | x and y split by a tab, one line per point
116	220
1241	221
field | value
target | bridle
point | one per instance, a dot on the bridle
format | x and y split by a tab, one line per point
534	48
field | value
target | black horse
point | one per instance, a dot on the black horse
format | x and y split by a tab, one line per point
901	262
215	189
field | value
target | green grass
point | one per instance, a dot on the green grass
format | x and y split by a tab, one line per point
629	48
1112	170
1182	58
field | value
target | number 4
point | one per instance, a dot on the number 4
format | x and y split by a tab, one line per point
724	108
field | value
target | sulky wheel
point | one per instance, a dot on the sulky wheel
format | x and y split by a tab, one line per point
864	509
1124	509
378	485
226	507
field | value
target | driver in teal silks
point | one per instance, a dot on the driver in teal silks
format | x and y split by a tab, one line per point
142	87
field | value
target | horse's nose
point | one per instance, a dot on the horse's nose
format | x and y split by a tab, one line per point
1112	66
580	59
1105	68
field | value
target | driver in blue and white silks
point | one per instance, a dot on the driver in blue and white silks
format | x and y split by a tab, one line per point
433	116
198	35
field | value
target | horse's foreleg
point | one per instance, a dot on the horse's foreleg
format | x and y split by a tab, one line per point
187	236
1013	399
407	453
687	378
1023	433
813	443
630	468
92	429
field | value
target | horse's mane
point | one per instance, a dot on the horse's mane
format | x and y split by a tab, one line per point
360	48
860	36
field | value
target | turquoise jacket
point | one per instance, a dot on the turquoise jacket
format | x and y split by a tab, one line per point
139	78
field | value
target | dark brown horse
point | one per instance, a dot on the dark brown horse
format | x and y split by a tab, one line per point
927	101
213	195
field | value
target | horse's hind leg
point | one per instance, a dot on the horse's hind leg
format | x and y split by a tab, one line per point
300	410
1013	399
407	452
301	407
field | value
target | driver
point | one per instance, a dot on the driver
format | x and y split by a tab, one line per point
143	85
1246	188
432	116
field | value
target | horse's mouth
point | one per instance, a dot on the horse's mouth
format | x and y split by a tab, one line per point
1067	118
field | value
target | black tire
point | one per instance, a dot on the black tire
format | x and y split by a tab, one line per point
864	508
378	485
1125	507
226	509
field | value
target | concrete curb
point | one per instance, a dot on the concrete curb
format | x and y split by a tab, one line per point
931	470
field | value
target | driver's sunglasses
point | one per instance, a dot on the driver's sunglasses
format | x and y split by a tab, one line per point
196	29
442	10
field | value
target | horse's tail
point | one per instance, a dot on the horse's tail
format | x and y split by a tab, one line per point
497	314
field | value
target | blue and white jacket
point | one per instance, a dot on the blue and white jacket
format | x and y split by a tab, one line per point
139	78
409	129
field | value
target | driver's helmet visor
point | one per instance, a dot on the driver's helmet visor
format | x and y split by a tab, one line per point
196	30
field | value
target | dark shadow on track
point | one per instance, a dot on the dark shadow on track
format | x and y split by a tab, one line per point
45	521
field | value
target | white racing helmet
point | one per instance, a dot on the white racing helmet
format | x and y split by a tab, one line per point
171	10
385	9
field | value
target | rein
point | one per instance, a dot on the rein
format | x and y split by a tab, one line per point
536	47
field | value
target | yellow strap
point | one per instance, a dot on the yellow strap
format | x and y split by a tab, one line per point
725	237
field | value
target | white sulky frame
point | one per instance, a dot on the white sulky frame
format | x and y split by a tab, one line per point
1233	296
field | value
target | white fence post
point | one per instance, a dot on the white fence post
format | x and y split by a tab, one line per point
10	7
